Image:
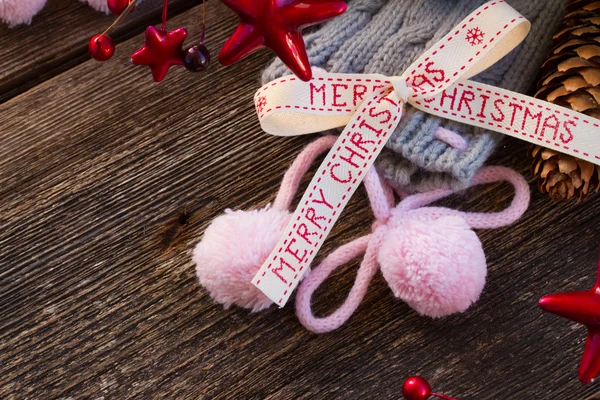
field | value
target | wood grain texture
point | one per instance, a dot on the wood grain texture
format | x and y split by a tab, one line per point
108	180
58	37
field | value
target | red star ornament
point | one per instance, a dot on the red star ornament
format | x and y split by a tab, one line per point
161	51
582	307
277	24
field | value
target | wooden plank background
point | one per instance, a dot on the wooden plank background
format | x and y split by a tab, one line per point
98	300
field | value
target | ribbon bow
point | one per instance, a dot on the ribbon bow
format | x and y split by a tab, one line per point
370	106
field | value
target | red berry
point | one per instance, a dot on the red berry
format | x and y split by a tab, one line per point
416	388
117	6
101	47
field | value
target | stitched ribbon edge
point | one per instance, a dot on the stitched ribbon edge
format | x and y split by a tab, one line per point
287	107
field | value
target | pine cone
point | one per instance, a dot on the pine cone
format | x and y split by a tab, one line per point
571	78
561	176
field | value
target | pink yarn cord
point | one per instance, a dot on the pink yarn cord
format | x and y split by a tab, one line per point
344	254
381	196
451	138
381	199
299	167
477	220
510	214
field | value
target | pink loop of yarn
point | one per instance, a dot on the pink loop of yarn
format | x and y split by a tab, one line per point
476	220
293	176
381	196
451	138
340	256
418	249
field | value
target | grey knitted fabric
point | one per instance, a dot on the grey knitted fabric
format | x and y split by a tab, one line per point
379	36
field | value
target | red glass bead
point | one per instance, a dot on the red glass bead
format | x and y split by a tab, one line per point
416	388
196	58
101	47
117	6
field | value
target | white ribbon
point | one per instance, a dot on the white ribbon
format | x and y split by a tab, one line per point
370	106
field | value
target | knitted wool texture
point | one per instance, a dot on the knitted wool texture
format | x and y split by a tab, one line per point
378	36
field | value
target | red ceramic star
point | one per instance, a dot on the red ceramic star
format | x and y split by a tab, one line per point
161	51
582	307
277	24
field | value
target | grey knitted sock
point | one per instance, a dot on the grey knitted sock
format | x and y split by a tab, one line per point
386	36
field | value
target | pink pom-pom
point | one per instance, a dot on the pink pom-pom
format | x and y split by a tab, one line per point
100	5
232	250
16	12
438	267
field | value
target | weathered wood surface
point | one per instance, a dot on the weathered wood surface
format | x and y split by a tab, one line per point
98	298
58	39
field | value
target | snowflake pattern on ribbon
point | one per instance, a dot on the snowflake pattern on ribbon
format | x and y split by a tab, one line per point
474	36
261	103
361	103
